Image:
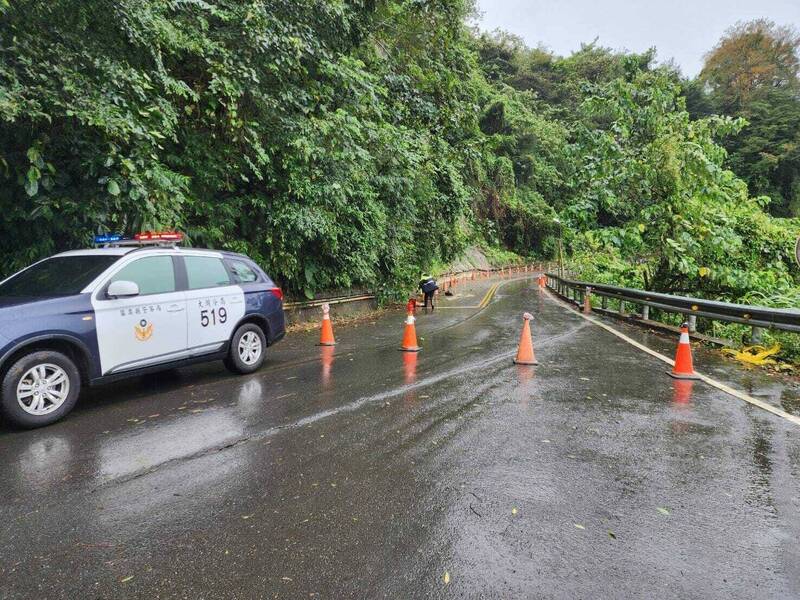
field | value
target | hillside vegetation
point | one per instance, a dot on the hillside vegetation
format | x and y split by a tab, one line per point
360	142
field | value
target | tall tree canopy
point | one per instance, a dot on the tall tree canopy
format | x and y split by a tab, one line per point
358	142
753	73
750	58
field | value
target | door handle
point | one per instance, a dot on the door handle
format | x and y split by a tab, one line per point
174	308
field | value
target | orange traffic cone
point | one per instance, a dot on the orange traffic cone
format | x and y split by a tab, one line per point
410	336
326	335
525	354
684	369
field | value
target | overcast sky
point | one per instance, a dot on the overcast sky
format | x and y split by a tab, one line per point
679	29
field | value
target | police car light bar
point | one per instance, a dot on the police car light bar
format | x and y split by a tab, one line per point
107	238
155	238
159	236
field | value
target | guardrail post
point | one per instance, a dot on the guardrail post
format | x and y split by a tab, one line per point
692	323
621	307
645	312
604	302
756	335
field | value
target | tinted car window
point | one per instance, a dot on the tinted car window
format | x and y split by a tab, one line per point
205	272
57	276
242	273
153	275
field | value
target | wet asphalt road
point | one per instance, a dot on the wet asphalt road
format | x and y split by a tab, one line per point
364	472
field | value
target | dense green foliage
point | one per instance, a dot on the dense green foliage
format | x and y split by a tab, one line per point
753	73
331	140
359	142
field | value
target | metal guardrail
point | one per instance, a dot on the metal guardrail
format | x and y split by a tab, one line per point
759	317
331	300
449	278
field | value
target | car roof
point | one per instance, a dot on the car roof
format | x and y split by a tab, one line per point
125	250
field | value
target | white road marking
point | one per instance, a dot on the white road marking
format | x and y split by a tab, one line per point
712	382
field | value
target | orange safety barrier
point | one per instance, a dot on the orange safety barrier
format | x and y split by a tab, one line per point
326	334
410	336
684	367
525	355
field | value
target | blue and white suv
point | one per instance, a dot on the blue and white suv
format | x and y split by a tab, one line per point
92	316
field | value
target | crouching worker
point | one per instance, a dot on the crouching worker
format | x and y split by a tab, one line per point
428	286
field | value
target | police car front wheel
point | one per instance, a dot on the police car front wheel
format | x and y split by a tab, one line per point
246	353
40	388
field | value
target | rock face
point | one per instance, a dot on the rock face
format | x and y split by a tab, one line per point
473	259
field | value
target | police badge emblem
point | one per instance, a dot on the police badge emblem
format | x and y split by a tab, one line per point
143	330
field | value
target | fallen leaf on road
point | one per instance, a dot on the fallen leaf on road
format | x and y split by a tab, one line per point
579	526
584	379
446	577
513	511
663	510
612	535
126	579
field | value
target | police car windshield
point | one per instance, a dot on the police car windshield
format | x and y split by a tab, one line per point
57	276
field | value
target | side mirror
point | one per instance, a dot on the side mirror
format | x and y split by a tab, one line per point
122	289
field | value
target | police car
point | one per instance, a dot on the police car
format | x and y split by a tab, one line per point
126	308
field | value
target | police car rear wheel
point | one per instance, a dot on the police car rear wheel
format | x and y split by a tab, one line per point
39	389
247	349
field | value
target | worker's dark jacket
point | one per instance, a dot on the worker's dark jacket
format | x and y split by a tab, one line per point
428	286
